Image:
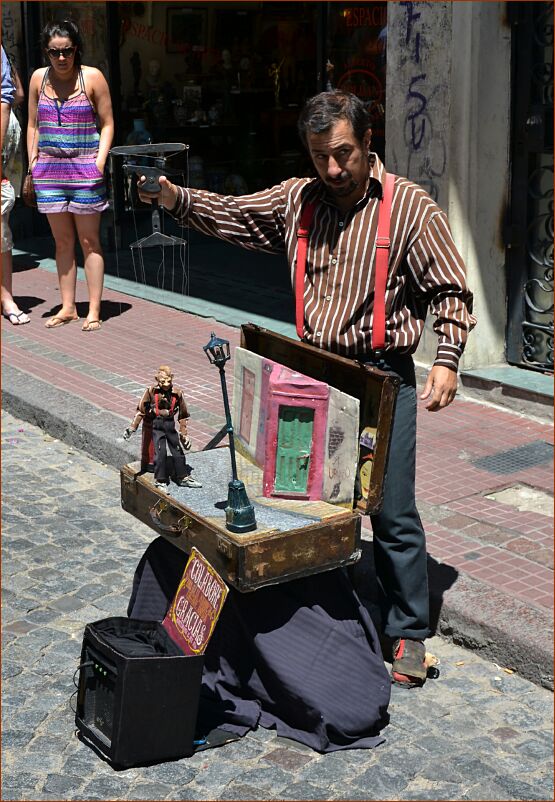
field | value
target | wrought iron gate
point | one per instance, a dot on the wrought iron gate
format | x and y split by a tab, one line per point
530	235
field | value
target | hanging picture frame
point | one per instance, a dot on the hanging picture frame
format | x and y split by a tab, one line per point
186	30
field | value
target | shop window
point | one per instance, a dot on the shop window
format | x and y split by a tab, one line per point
228	79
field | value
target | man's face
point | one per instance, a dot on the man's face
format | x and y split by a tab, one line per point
164	381
341	160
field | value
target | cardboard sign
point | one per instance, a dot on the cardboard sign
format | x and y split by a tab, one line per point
196	606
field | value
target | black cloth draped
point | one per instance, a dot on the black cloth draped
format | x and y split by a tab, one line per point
302	657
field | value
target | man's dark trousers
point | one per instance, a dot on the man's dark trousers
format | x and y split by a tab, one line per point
163	429
399	540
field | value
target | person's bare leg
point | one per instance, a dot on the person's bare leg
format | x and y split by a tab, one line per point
63	231
88	230
9	306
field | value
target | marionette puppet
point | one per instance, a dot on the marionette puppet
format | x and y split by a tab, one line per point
158	408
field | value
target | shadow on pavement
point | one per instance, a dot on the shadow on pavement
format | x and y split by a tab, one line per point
108	309
441	577
24	262
27	302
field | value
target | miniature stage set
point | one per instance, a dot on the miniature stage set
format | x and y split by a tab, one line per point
309	457
278	509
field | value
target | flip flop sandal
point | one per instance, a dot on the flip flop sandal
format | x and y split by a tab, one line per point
91	325
17	316
57	321
409	663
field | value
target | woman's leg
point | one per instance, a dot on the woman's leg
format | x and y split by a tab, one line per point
9	307
63	230
88	230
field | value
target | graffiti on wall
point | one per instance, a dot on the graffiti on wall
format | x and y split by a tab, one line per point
11	28
425	144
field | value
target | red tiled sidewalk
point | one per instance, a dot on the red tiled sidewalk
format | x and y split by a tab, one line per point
494	542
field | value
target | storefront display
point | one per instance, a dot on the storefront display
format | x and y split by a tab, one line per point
228	79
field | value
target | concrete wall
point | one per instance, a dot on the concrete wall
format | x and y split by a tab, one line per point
11	30
447	129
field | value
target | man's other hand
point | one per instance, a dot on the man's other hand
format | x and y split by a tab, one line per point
167	197
440	389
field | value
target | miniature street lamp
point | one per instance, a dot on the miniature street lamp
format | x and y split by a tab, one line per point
239	513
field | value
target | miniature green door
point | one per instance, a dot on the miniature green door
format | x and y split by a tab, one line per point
294	447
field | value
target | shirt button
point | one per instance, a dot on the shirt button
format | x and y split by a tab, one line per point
334	261
318	333
328	297
341	224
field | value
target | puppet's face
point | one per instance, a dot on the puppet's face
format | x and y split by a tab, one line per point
164	381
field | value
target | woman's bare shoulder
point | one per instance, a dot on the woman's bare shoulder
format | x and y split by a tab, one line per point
92	74
38	75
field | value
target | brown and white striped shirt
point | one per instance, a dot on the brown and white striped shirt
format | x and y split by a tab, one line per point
425	269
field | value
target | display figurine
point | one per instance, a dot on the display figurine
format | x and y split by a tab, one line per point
153	77
161	402
274	72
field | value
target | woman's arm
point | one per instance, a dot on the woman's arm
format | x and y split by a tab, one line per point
99	93
32	132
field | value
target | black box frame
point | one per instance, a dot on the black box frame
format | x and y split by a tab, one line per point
137	709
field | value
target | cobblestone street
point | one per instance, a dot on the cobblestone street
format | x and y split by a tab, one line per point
69	552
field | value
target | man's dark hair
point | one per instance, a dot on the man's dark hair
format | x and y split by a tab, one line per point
324	110
65	27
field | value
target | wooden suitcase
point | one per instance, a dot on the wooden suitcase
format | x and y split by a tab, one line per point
294	538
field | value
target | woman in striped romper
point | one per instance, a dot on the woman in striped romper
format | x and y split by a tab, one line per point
67	153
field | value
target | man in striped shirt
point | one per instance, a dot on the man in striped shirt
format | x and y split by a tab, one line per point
425	271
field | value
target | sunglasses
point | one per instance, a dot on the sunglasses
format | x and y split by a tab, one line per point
55	52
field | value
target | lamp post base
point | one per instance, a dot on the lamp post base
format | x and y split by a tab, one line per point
239	513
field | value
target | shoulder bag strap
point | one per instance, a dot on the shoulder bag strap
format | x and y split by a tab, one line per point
41	90
383	245
307	214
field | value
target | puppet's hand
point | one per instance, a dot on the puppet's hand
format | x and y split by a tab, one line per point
185	441
128	432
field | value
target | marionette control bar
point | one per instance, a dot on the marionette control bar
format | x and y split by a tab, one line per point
165	149
157	154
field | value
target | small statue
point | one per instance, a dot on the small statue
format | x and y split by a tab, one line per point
274	73
153	77
160	403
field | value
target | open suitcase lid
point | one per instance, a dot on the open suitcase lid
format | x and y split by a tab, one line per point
375	389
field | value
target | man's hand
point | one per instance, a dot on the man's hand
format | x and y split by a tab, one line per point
100	166
440	389
128	432
167	196
185	441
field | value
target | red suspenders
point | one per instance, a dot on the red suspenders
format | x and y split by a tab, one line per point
382	263
156	408
383	244
302	238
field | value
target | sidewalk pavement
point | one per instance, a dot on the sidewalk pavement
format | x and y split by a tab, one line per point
484	474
